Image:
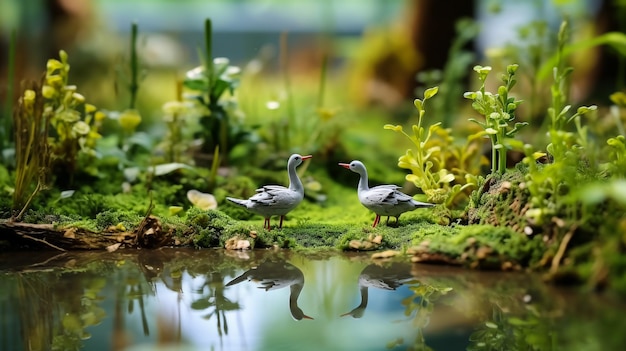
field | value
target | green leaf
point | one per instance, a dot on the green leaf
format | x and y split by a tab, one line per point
201	304
196	84
430	93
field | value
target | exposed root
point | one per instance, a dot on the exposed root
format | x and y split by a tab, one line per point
556	260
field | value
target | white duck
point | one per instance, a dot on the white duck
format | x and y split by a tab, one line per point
276	200
383	200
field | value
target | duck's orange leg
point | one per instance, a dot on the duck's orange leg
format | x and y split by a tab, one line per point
266	224
376	220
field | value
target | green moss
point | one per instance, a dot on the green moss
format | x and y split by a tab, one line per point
212	228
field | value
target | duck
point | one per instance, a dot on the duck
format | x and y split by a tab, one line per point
383	200
277	275
276	200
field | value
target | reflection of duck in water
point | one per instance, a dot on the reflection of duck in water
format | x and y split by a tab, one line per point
374	276
277	275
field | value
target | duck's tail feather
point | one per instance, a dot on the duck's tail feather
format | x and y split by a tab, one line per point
239	279
419	204
239	202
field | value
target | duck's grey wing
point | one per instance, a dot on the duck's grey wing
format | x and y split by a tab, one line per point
267	194
385	195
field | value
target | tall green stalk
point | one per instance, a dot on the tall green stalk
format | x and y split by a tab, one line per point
31	148
133	87
5	134
208	64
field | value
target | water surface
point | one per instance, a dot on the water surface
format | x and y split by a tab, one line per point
182	299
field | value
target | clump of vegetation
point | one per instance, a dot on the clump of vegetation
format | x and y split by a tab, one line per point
75	123
439	167
32	157
498	111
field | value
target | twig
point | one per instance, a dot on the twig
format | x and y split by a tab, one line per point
140	230
41	241
562	247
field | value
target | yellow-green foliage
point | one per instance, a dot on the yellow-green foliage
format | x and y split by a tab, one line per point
75	121
498	110
439	167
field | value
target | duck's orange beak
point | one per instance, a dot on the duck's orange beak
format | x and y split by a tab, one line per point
345	165
306	157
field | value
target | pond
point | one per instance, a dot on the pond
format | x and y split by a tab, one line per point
213	299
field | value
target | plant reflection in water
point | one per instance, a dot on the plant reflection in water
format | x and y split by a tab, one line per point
418	306
273	275
180	298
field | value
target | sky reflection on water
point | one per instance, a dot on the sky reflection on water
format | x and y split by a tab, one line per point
283	300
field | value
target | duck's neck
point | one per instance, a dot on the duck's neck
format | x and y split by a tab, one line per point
363	182
294	181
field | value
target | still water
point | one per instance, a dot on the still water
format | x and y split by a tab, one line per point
174	299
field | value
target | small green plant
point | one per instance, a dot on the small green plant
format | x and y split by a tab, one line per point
566	149
209	84
74	122
498	111
438	167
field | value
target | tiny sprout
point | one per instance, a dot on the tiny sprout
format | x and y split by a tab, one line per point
511	69
585	109
482	69
397	128
63	56
430	92
491	131
502	90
